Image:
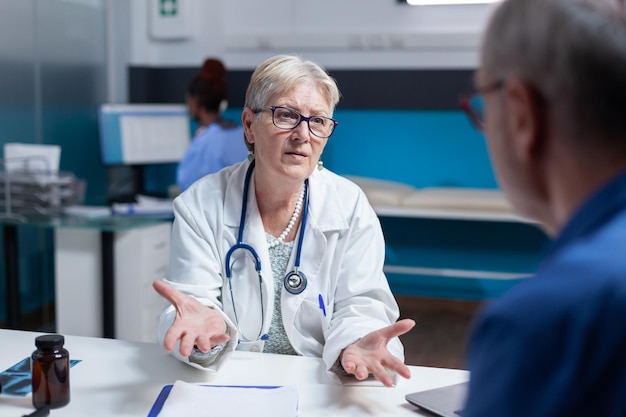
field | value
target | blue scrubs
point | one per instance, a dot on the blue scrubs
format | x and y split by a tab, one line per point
555	345
217	146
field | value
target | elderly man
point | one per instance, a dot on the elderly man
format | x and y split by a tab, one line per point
550	99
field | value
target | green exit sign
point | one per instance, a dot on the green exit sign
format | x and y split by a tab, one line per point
168	7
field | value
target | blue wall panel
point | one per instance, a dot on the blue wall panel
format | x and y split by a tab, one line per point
417	147
434	286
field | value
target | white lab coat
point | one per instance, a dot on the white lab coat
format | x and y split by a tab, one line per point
342	257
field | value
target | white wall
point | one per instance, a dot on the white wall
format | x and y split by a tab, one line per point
336	33
118	37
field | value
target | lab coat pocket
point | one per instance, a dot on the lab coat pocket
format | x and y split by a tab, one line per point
313	319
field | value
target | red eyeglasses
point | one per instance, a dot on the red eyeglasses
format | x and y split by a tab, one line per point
473	104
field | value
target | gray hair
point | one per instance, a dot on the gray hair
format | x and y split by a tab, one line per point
573	52
277	75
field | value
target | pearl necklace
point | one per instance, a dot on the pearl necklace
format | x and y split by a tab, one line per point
292	221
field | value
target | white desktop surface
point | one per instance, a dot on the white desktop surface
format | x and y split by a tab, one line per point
121	378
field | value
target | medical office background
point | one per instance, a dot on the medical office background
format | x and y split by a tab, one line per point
400	69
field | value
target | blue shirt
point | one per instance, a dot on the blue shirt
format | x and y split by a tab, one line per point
555	345
217	146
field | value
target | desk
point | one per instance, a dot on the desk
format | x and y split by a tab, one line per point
105	226
122	378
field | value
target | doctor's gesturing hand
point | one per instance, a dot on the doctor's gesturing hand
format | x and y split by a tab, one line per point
194	325
369	355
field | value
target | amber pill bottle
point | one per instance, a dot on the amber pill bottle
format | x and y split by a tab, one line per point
50	368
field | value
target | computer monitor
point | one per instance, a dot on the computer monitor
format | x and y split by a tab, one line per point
140	134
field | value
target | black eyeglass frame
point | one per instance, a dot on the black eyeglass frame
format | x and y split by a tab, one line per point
301	118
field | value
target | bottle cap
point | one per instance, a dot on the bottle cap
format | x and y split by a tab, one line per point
49	341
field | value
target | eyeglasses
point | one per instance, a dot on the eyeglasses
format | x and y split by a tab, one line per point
286	118
473	104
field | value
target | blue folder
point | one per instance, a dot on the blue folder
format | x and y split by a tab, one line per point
165	392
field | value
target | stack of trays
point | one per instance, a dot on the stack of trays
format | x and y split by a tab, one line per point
38	193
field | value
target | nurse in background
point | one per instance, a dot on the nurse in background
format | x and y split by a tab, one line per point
217	143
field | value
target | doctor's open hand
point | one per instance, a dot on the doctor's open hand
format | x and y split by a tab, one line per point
194	324
369	355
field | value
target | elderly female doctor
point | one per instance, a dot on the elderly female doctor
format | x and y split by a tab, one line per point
277	254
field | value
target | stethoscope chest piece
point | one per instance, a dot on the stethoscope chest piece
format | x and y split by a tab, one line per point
295	282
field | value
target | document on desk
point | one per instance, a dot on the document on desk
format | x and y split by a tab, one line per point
192	400
89	212
145	205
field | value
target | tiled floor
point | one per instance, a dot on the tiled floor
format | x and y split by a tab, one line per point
440	336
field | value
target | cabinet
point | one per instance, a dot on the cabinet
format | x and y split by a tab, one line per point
139	255
452	242
459	258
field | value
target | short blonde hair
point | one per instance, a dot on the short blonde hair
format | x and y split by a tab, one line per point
279	74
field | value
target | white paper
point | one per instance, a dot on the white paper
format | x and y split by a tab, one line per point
145	205
191	400
87	211
32	157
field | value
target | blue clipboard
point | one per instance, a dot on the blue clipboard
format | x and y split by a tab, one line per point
158	404
165	392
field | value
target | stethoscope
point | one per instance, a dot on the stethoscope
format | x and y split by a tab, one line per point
294	282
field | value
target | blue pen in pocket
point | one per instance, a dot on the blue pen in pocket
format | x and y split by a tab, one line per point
322	306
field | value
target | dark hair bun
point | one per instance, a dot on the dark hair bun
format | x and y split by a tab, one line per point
213	69
209	85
